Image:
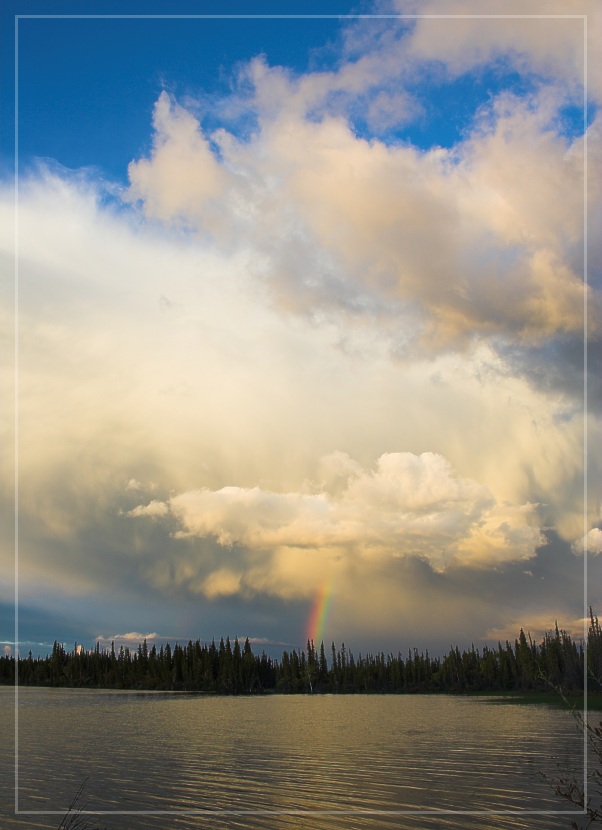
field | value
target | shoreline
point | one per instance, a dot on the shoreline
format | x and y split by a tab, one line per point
500	697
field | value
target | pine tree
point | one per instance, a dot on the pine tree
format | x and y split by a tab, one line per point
594	653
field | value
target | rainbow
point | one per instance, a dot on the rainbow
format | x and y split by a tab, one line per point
319	613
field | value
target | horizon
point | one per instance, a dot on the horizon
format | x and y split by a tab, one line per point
133	642
302	335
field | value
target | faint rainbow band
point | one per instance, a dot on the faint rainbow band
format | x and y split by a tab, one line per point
319	612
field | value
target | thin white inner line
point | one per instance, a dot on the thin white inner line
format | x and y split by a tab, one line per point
585	421
16	395
302	16
342	811
16	411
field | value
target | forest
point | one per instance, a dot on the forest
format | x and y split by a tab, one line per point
230	668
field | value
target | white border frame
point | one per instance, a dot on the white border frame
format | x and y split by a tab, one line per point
356	812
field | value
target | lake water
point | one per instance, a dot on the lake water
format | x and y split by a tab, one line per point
284	762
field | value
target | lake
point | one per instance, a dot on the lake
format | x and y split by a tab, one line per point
285	762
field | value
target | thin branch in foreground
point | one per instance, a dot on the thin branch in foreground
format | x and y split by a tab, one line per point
566	784
73	818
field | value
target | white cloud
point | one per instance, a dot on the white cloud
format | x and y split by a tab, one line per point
155	509
408	506
265	641
221	583
183	181
551	45
445	245
227	391
284	309
130	639
592	541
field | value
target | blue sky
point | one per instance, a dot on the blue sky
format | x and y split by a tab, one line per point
79	77
301	302
83	107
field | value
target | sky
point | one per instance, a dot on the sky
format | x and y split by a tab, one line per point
300	323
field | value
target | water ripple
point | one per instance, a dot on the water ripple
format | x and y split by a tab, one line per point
348	754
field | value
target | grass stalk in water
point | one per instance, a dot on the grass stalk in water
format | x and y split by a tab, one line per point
73	818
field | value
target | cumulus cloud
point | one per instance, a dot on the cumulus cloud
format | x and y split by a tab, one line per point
227	391
155	509
222	582
552	45
267	311
177	186
131	639
592	542
444	245
409	505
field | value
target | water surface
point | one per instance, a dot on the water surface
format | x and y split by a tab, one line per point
332	761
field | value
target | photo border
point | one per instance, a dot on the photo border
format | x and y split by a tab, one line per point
301	812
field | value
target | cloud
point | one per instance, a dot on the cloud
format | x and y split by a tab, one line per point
227	390
264	312
132	638
222	582
537	626
442	245
155	509
592	542
408	505
265	641
177	185
551	46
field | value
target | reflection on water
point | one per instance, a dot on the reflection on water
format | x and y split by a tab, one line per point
332	756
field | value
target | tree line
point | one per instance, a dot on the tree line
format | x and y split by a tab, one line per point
229	668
